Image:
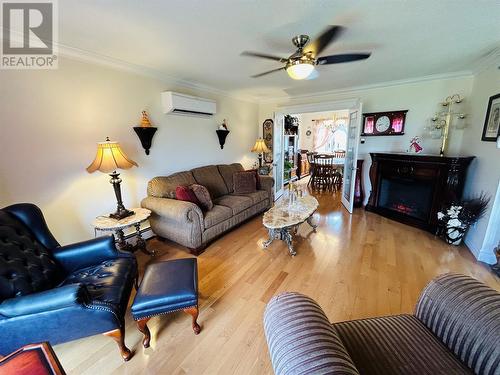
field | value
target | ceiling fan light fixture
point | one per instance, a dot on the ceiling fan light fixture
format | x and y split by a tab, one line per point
300	69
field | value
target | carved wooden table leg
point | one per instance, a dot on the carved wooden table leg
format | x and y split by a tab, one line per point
119	336
193	311
140	243
142	325
122	244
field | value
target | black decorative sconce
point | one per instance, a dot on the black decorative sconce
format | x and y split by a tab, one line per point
222	134
145	136
145	132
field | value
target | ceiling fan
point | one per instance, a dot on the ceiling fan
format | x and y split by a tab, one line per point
301	63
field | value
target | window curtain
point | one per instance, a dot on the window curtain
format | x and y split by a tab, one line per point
324	129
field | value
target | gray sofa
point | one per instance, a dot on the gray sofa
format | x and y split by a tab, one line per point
455	330
185	223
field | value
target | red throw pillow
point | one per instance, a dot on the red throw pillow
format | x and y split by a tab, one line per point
257	178
244	182
184	193
203	196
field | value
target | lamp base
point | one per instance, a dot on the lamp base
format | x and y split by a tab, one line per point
121	214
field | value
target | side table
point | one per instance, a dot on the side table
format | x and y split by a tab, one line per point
107	224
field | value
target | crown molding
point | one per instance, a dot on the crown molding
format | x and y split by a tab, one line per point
491	58
117	64
355	89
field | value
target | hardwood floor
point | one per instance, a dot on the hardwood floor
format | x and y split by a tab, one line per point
355	267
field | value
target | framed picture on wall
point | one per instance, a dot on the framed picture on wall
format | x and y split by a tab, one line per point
384	123
491	129
267	134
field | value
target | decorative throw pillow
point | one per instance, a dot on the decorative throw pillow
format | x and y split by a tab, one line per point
184	193
257	178
244	182
203	196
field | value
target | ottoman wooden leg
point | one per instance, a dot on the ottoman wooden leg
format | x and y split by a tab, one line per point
142	325
193	311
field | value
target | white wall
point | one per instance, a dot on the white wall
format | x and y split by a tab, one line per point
421	99
52	120
484	172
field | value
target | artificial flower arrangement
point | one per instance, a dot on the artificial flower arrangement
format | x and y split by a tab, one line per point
458	217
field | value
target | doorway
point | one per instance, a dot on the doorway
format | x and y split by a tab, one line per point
323	128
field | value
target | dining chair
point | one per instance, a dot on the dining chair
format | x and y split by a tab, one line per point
310	160
323	171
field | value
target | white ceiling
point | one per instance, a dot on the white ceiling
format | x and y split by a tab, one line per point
200	41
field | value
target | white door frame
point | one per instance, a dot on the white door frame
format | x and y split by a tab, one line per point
347	194
336	105
329	106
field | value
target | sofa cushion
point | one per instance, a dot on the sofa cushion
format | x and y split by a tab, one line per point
236	203
216	215
397	345
256	197
203	196
227	171
210	177
257	178
164	186
244	182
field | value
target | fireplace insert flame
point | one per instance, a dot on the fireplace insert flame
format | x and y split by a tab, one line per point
407	197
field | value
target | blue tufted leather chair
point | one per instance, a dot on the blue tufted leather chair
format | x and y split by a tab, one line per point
55	293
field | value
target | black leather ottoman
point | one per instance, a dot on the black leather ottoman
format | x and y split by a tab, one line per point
165	288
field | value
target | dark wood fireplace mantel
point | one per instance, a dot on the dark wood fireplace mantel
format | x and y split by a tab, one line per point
412	188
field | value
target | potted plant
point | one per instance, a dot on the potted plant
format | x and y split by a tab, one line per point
287	169
458	217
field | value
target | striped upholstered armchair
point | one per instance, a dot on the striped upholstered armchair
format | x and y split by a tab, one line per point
455	330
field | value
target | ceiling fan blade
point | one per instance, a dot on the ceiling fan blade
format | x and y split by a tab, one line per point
323	40
263	56
268	72
342	58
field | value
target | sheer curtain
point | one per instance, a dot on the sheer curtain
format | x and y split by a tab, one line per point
330	135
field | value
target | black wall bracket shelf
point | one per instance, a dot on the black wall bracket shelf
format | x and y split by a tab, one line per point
222	134
145	136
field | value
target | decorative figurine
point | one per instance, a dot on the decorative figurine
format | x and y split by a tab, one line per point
415	145
145	123
223	126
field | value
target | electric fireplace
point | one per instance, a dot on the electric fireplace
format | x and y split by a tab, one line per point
412	188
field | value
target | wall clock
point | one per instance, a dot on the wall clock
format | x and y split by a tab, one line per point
384	123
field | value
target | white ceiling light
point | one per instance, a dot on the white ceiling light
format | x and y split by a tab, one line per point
300	69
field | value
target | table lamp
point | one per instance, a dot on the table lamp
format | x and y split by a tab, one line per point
109	158
260	147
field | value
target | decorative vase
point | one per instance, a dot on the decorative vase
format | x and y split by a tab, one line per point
455	233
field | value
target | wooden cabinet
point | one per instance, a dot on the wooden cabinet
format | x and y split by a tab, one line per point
303	165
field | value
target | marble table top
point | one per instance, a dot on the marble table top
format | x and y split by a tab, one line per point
284	215
104	222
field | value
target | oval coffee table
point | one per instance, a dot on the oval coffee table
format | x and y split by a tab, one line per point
283	220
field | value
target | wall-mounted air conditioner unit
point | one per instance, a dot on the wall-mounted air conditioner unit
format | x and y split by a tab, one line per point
180	104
